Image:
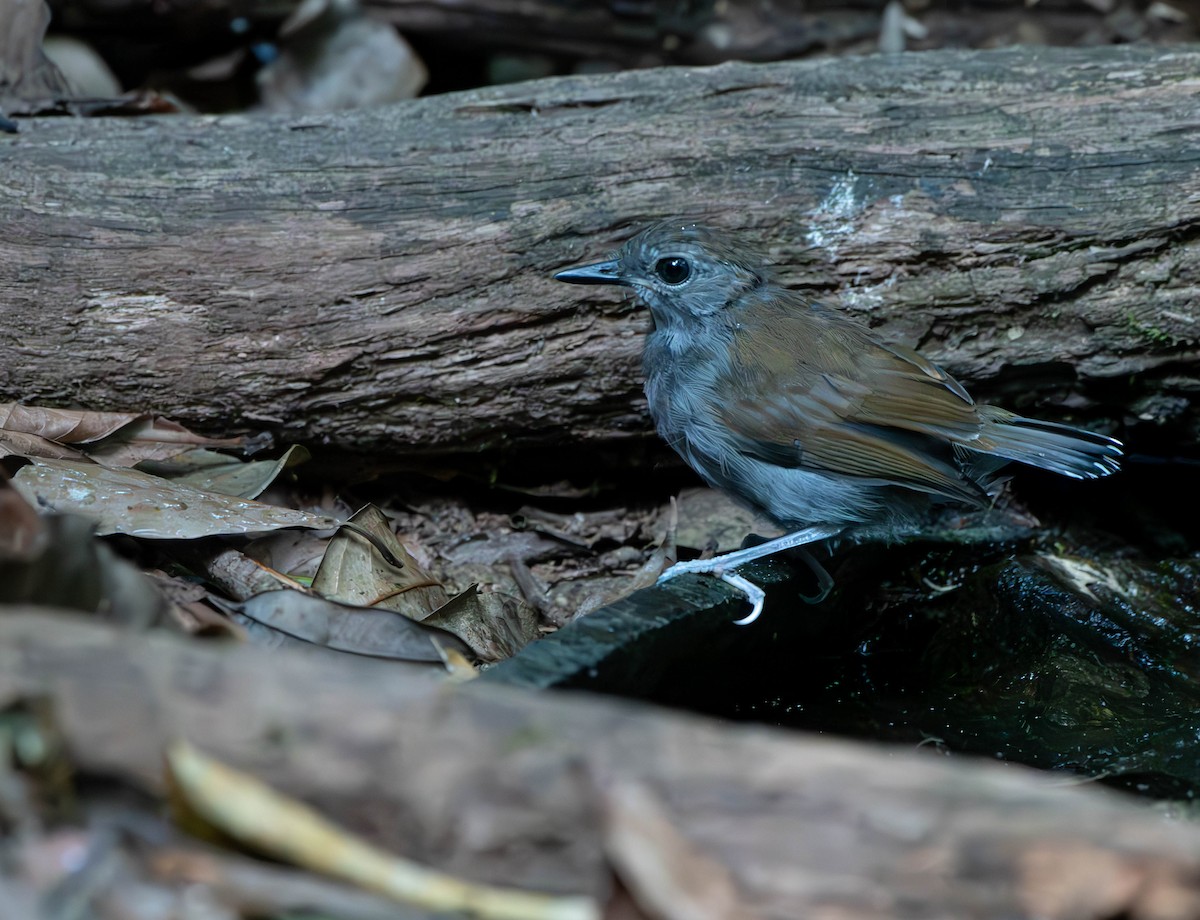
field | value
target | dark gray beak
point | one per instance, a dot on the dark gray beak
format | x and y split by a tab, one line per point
596	273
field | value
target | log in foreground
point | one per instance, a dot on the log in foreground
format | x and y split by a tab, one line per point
506	786
380	279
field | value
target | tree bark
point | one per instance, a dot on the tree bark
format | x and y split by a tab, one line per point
504	786
380	279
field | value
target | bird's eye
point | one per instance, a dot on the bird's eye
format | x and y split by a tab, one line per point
673	270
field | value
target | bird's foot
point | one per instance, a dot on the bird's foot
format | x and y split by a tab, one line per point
754	594
724	566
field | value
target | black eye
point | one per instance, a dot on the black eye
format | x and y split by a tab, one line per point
673	270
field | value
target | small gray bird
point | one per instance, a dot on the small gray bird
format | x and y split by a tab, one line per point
805	415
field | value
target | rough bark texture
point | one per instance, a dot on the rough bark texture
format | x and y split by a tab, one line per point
380	279
507	786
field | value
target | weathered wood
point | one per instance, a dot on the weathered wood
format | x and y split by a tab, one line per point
506	786
380	279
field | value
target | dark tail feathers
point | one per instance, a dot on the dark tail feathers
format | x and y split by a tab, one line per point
1072	452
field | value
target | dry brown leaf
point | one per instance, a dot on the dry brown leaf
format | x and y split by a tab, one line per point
210	471
354	572
28	79
333	57
151	438
67	426
709	518
458	667
111	438
140	505
295	553
359	630
23	444
494	625
189	609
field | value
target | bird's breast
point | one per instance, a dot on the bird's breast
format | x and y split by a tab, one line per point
681	391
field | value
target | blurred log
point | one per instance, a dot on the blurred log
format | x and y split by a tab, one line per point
504	786
639	34
380	279
645	33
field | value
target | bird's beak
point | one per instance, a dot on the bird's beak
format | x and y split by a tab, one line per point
596	273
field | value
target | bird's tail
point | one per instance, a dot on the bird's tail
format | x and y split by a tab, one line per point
1073	452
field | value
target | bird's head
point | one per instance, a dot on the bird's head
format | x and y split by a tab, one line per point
685	273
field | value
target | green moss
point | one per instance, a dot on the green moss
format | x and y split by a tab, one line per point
1152	334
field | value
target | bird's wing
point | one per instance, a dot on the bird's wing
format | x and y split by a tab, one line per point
852	406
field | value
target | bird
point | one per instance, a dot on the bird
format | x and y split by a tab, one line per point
805	415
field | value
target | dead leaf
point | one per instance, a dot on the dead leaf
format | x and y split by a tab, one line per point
353	571
665	552
152	438
214	472
458	667
140	505
333	57
23	444
112	438
86	72
244	808
345	628
494	625
66	426
581	528
295	553
495	547
708	517
28	79
188	607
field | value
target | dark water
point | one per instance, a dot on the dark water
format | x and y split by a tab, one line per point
1074	646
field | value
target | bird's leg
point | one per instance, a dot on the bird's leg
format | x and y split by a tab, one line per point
723	566
824	579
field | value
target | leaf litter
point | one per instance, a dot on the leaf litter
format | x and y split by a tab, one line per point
432	583
306	575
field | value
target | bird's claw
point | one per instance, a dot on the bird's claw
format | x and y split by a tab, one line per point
754	594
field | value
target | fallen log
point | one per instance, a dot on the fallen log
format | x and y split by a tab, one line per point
505	786
380	279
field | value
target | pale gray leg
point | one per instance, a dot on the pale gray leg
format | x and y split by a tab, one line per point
723	566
